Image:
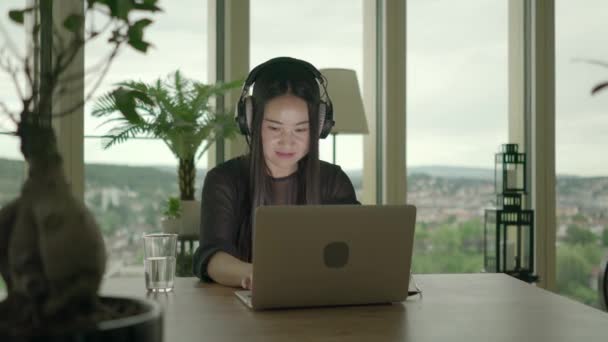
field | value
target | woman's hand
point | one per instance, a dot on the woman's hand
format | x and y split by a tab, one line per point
227	270
247	282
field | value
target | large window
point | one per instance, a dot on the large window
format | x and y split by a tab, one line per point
327	39
12	172
581	140
457	80
127	184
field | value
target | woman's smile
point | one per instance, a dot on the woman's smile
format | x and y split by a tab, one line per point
285	155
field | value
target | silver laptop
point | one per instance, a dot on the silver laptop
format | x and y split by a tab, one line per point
330	255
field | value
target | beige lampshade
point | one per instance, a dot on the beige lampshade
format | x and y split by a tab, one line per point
343	89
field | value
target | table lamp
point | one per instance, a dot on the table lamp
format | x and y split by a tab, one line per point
349	114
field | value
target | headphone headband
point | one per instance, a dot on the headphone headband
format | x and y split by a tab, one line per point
282	60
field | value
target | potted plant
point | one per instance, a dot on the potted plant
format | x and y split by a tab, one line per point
171	220
180	112
52	254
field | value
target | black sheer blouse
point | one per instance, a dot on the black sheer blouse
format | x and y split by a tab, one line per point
226	207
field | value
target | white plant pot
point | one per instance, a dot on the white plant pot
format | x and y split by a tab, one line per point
191	218
171	225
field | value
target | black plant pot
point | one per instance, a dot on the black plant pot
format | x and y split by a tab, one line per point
145	325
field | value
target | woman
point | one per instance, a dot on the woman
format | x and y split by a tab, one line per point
283	121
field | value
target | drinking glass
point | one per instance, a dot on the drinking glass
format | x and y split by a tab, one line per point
159	261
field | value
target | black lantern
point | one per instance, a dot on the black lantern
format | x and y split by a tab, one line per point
509	229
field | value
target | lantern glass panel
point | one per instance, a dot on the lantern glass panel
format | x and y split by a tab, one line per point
510	172
525	247
490	241
498	178
510	245
515	176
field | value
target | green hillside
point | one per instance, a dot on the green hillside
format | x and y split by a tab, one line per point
137	178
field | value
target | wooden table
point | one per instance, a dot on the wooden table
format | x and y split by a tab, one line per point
463	307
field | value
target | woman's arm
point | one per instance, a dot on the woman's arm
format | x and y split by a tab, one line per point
216	258
227	270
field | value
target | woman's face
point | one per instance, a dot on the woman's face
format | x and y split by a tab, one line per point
285	136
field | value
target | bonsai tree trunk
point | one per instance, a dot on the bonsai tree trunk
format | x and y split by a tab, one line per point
187	178
56	255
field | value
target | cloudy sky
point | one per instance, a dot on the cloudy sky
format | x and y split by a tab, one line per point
457	77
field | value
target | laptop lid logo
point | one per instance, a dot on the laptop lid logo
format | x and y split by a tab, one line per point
335	255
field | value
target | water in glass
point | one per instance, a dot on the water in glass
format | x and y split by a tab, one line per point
159	273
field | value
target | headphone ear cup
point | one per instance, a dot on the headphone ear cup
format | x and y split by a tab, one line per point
248	113
244	115
322	113
240	117
326	120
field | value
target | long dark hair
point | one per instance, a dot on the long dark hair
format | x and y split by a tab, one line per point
276	80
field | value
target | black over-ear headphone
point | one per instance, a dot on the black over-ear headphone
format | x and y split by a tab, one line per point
244	108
